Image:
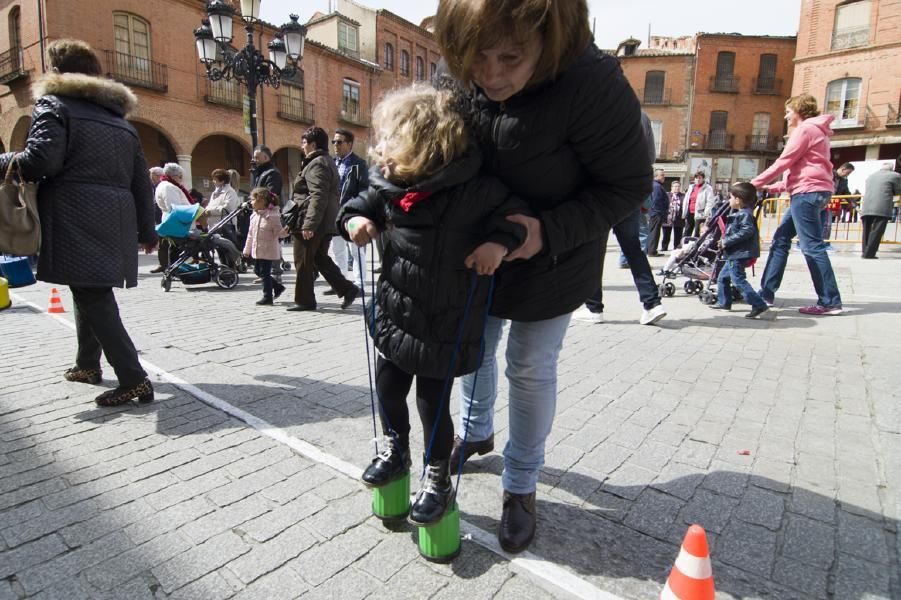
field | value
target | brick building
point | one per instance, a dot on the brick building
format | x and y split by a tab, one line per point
738	104
849	59
662	77
406	52
182	116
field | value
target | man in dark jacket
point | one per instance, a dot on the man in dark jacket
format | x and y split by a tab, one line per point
353	178
265	174
316	193
657	212
96	206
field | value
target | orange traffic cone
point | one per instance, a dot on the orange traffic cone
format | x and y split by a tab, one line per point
56	305
692	575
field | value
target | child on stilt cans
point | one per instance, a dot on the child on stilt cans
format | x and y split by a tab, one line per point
443	230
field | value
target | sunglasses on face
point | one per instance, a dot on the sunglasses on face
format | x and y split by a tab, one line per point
337	142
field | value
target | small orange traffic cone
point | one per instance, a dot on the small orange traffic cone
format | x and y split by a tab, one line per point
692	575
56	305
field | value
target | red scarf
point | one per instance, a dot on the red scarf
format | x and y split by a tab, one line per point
411	199
181	187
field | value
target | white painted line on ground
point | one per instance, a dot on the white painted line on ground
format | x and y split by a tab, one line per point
543	573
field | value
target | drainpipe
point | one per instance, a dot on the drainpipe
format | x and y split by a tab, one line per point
41	33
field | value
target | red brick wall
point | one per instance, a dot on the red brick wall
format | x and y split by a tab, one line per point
403	36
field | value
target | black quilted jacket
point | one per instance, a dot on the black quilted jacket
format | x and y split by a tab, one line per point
574	149
424	285
95	199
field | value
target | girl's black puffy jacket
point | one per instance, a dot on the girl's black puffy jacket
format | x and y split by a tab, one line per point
424	285
575	151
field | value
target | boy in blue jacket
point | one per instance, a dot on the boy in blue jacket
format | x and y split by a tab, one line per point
741	243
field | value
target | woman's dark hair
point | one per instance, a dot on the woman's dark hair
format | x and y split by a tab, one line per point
74	56
197	195
221	175
318	136
264	193
745	192
464	27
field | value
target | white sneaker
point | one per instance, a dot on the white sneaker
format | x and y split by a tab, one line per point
583	314
651	316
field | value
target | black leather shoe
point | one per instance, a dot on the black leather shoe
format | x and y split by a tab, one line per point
349	297
300	308
472	447
390	465
329	292
264	301
756	312
435	495
517	526
718	307
278	291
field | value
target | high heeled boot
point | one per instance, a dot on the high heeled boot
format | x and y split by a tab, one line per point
391	464
435	495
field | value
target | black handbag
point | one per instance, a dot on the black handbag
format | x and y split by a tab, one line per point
293	216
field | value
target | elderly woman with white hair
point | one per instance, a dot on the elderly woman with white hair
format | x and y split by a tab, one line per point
170	192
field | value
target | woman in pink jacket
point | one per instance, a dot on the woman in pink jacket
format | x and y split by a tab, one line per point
808	180
262	241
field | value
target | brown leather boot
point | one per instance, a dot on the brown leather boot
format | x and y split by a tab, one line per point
472	447
517	526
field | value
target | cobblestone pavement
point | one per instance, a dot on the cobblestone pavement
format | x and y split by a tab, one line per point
180	500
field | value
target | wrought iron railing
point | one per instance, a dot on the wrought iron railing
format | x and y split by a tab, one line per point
893	117
766	86
353	115
655	96
12	66
718	140
226	92
137	71
850	38
295	109
763	142
727	84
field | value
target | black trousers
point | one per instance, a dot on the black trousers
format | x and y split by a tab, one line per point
311	256
873	230
392	385
676	232
99	329
654	225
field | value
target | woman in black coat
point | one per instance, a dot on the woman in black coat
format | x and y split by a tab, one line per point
96	206
559	124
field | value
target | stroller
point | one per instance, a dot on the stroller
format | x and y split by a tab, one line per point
700	262
216	257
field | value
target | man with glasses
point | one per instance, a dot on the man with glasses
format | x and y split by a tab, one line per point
353	178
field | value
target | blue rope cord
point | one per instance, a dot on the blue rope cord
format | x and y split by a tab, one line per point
475	380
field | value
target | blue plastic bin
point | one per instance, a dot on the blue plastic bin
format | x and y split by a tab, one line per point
16	270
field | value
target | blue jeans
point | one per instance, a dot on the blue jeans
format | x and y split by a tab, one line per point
733	274
532	352
637	218
804	219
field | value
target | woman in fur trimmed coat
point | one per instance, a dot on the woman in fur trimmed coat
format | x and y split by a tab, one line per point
96	206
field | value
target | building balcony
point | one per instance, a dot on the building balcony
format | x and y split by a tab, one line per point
295	109
850	38
767	86
762	142
224	92
353	116
12	66
842	123
893	117
137	71
719	140
726	85
654	97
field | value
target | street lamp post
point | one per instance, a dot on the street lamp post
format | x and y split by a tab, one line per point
247	65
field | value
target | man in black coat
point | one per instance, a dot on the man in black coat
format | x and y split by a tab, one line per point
657	212
264	173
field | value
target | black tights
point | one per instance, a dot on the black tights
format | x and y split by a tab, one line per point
392	386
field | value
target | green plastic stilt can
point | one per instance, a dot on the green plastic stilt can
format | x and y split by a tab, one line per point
391	502
440	542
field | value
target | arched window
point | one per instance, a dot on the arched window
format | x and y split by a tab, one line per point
14	64
843	101
433	70
653	87
852	25
132	52
420	69
725	80
404	63
389	57
15	29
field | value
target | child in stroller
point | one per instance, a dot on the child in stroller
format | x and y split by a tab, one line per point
216	258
